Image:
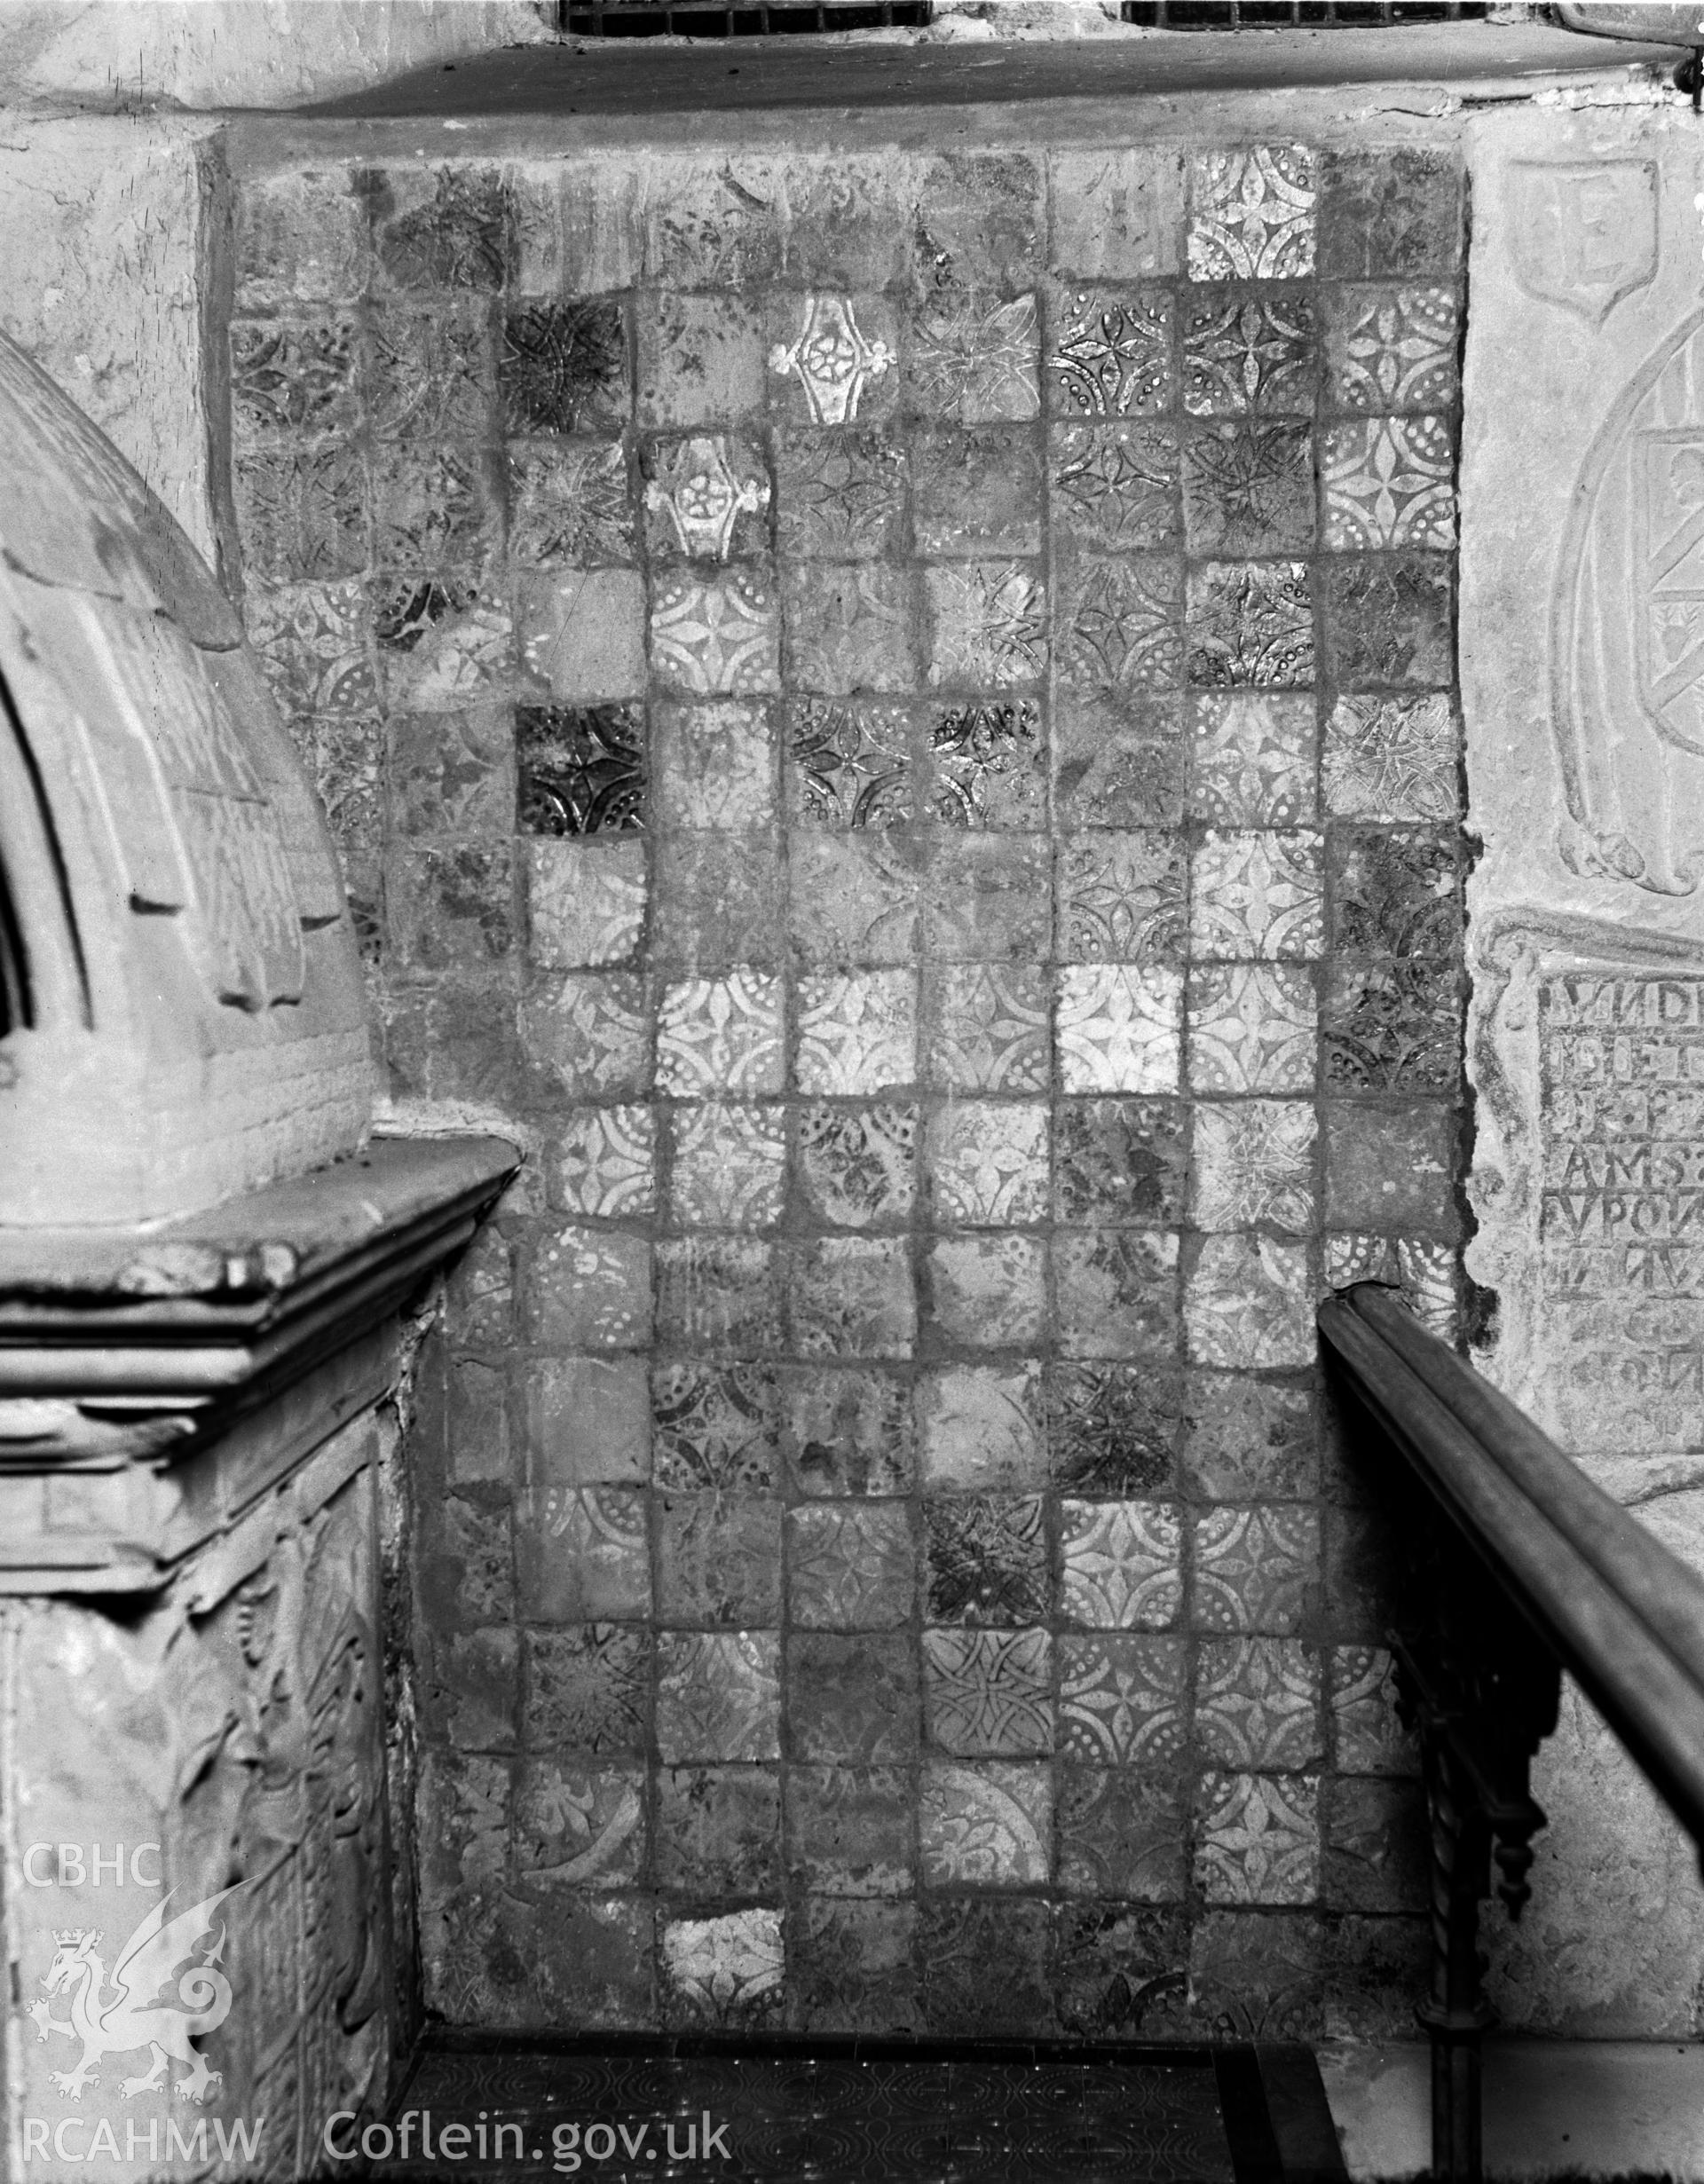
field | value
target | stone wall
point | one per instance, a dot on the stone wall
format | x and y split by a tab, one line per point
898	713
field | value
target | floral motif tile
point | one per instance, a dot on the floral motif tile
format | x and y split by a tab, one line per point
840	495
1113	1428
310	639
1254	1164
851	1565
583	1555
976	361
1120	897
606	1163
725	1971
1258	895
1118	1028
852	899
562	368
834	359
1394	894
717	1293
728	1168
578	1826
1120	1565
1249	622
849	1431
1253	756
1253	215
1250	1439
979	1428
1248	355
857	1166
1118	624
1115	487
986	898
989	1291
1121	1833
1390	620
715	1036
589	1689
718	1695
713	765
1389	481
1122	1700
591	1032
1391	213
718	1559
857	1032
581	769
1258	1702
1249	489
706	497
715	633
989	1163
293	377
1116	1292
987	1560
988	1694
1257	1840
848	627
429	375
568	504
1110	353
1390	350
302	510
988	1027
851	1295
988	765
1255	1569
853	1965
1252	1028
987	1826
715	1426
1361	1694
852	1698
1393	1027
1393	758
1246	1304
590	1289
990	623
848	762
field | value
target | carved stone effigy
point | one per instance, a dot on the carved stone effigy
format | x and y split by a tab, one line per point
1582	676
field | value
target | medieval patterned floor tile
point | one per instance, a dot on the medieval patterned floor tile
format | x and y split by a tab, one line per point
1390	350
1120	1565
562	368
1251	1029
840	495
1117	1290
1249	489
1392	1168
1258	895
1390	622
1250	1439
1390	215
701	360
833	360
1255	1569
1120	896
986	1826
851	1565
984	1973
719	1830
715	1426
1392	1025
1110	353
1245	1304
977	492
1249	622
1387	482
851	1296
713	766
1377	1846
1395	895
706	497
302	510
1118	623
449	773
1118	1028
579	1826
589	1689
718	1560
294	376
581	769
589	1289
857	1033
592	1032
979	1428
725	1972
857	1166
717	1293
851	1968
1117	211
1258	1702
1115	487
1247	353
1122	1700
988	620
975	360
720	1034
1253	215
988	1162
718	1696
568	504
1393	758
440	228
1112	1428
1118	760
987	1560
988	1027
847	1431
1254	1165
988	765
588	1423
719	632
310	639
1121	1835
981	219
1253	760
988	1694
989	1291
1257	1973
712	223
849	1830
1258	1840
849	626
852	1698
604	1162
300	238
848	762
1362	1696
853	900
582	632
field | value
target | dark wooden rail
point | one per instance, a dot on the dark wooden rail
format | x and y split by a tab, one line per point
1555	1575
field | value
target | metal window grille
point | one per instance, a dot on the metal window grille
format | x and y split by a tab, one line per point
700	19
1295	14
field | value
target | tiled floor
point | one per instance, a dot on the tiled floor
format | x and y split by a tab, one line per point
1193	2116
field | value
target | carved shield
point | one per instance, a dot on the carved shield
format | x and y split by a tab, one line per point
1584	235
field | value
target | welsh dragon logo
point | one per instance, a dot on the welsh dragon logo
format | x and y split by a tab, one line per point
159	1959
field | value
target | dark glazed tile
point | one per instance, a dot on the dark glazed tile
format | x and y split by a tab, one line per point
988	765
587	1690
1115	485
975	360
581	768
293	377
1393	1027
718	1559
1392	895
719	1830
848	1431
453	240
1118	761
857	1166
852	1701
1110	354
1250	1439
1119	1160
1390	620
849	1830
1121	1833
985	1966
1249	489
1390	215
1248	352
1117	623
987	1560
1249	622
470	1694
1378	1965
301	511
564	367
1112	1428
1391	1169
839	496
848	762
718	1695
851	1565
851	1970
988	1694
975	492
